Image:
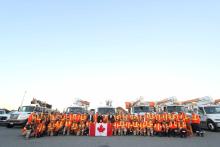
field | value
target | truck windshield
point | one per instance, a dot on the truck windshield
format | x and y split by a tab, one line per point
75	110
27	109
2	112
106	110
171	109
212	110
141	109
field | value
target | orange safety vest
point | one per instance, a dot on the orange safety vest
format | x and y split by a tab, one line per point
30	118
83	117
158	127
118	117
182	116
77	118
38	119
68	123
187	120
139	117
145	117
52	117
165	117
124	117
42	128
128	125
116	125
149	124
195	119
128	117
81	125
71	117
74	126
172	116
177	118
173	125
131	117
182	125
57	124
158	117
141	125
165	126
135	124
152	116
145	124
122	124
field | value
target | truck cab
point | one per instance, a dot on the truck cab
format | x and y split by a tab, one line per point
141	110
106	110
174	108
4	115
20	117
75	110
210	117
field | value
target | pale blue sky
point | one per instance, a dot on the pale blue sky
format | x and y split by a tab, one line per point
108	49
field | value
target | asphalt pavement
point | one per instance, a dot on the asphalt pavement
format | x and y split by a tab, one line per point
12	138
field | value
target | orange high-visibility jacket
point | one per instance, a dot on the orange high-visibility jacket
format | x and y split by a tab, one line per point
68	123
182	116
165	117
157	127
135	124
128	125
78	116
145	124
195	119
141	125
182	125
165	126
83	117
116	125
173	125
51	126
122	124
74	126
128	117
149	124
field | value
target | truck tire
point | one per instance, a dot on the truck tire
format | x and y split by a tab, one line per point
211	126
10	126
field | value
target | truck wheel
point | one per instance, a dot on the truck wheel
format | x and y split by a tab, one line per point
10	126
211	126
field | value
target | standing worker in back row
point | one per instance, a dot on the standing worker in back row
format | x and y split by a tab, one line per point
195	123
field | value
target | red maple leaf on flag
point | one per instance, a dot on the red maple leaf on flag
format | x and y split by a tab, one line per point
101	129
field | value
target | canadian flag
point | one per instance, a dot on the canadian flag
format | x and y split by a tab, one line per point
100	129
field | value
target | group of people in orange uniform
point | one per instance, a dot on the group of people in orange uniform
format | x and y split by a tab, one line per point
149	124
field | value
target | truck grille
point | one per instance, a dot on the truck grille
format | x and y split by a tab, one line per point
14	116
3	117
